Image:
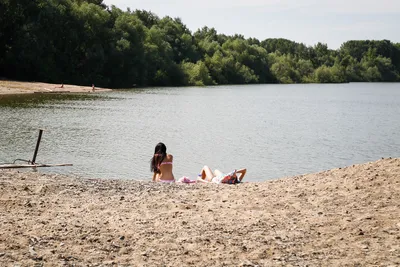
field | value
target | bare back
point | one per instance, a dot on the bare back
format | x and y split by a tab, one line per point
166	169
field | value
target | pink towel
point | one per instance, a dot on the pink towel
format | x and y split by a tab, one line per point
186	180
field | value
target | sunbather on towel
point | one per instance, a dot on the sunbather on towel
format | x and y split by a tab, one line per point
218	177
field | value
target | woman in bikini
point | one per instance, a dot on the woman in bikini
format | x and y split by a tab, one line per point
161	165
218	177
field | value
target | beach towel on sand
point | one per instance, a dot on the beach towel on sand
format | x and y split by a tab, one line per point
186	180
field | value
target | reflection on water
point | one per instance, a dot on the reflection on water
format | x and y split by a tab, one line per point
273	130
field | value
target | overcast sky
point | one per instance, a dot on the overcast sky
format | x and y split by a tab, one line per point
308	21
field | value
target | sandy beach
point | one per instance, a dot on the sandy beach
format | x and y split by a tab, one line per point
15	87
342	217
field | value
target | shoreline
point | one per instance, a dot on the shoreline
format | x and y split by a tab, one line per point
341	217
8	87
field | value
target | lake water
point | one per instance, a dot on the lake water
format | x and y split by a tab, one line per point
272	130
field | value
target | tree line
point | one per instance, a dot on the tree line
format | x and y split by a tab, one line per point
86	41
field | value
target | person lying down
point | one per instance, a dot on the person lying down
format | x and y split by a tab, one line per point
217	177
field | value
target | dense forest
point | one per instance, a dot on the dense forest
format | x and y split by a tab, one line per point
85	42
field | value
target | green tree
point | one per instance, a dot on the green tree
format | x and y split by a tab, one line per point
149	19
160	66
326	74
128	53
196	74
180	39
322	55
85	42
284	68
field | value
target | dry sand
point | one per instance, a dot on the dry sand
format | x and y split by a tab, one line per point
14	87
341	217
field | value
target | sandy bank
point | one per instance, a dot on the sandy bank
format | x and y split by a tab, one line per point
340	217
14	87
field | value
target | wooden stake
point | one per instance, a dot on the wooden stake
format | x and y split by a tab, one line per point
37	146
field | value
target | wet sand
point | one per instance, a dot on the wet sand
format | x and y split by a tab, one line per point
342	217
15	87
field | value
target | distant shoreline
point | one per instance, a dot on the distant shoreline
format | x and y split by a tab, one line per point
15	87
8	87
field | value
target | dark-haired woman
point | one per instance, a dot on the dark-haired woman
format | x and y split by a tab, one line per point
161	165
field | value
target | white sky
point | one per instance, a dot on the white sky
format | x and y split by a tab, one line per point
308	21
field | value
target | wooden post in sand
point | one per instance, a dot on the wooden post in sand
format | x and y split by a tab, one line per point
31	164
37	146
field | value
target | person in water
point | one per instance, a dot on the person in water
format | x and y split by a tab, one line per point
218	177
161	165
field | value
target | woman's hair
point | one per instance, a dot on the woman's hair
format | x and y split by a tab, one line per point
160	152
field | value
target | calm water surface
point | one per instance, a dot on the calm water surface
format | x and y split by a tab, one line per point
272	130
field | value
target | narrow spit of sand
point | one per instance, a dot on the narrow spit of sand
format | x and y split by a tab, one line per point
341	217
15	87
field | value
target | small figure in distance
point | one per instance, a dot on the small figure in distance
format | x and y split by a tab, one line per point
161	165
207	176
93	88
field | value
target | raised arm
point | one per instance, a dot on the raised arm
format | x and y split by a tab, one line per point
242	172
